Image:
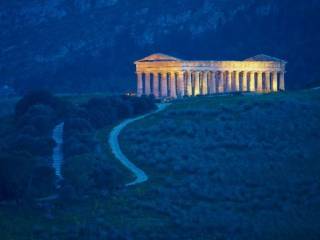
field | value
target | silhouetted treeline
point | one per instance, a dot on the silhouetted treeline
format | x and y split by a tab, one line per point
26	146
26	141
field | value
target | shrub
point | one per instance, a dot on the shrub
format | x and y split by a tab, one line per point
16	171
86	173
36	98
36	146
43	182
105	177
40	117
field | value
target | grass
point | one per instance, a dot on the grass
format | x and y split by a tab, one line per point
103	137
31	221
241	158
230	186
7	106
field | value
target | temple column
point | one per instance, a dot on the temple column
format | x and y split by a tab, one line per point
259	82
236	81
267	82
156	85
221	83
139	84
204	90
274	81
164	87
173	91
229	81
147	84
180	84
252	82
212	83
196	83
244	82
281	87
189	84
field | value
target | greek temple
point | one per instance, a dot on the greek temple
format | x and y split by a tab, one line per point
168	77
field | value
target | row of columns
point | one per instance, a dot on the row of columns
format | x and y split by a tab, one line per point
193	83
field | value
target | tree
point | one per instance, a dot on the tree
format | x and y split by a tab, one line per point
105	177
16	172
35	98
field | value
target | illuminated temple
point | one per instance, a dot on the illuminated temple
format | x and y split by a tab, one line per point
169	77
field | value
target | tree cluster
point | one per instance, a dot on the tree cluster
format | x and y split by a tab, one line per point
26	146
26	143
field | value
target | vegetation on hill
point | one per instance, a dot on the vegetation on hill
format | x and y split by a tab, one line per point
87	166
25	148
219	167
232	166
26	145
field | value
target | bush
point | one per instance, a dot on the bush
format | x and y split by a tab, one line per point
39	117
16	172
36	98
36	146
43	182
86	173
106	111
105	177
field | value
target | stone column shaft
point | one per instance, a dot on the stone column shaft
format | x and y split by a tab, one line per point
274	81
139	85
196	83
259	82
252	87
282	87
180	83
189	84
229	82
267	82
173	91
236	81
245	82
212	82
205	83
156	85
147	84
221	83
164	87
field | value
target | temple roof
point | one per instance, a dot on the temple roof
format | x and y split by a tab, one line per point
157	57
263	57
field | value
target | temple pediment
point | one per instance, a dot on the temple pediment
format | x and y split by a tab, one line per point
159	57
263	58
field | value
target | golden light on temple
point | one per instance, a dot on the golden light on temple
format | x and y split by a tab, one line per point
165	76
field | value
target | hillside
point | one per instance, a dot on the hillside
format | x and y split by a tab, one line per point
232	166
90	45
218	167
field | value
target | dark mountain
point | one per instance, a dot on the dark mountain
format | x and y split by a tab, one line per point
90	45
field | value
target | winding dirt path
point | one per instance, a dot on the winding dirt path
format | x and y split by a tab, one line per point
139	174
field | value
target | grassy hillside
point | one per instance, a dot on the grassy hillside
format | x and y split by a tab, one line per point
244	166
241	167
